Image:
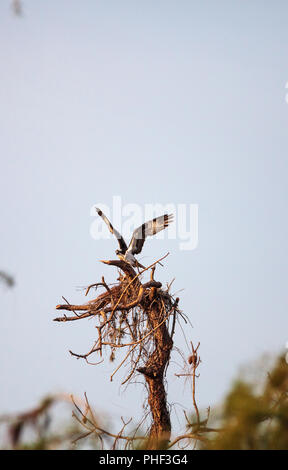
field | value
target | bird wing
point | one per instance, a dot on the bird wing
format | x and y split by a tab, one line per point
121	241
147	230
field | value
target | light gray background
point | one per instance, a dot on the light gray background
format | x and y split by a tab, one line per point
162	101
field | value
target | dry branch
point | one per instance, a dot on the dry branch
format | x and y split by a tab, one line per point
135	316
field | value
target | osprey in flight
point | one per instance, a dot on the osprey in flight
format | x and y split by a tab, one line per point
138	238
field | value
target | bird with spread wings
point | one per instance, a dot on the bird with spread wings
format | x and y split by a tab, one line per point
139	236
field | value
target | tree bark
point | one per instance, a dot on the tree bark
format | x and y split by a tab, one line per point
154	371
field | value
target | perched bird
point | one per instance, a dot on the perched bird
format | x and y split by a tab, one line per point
139	236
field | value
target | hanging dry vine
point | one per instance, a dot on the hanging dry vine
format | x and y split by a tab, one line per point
139	317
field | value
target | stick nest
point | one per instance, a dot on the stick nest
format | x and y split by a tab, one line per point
130	315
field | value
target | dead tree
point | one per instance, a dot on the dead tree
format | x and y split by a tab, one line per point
139	317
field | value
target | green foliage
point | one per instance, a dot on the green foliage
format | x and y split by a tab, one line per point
253	420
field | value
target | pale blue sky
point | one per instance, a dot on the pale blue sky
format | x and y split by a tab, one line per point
156	101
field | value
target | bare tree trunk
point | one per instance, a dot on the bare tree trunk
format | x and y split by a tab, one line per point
145	303
154	372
